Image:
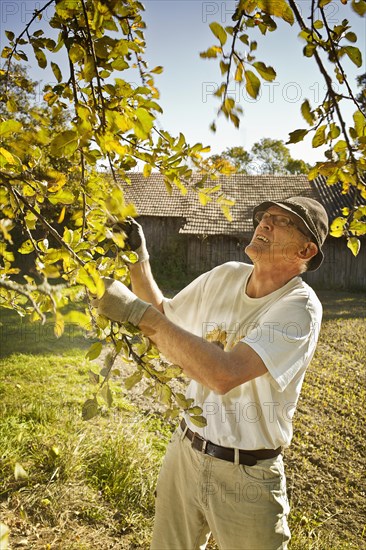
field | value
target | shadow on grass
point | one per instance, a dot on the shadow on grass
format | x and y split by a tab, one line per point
20	335
342	305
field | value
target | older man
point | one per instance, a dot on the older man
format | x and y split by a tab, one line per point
244	334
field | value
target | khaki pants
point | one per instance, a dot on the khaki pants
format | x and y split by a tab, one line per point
245	507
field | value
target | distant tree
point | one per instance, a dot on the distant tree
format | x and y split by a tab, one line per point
295	166
235	159
272	155
361	81
267	156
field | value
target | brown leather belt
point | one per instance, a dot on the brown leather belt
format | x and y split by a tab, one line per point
248	458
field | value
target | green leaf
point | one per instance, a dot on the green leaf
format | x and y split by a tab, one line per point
354	54
181	400
340	146
10	35
56	71
145	121
354	245
94	351
306	112
93	377
64	144
323	3
157	70
9	127
360	123
219	32
173	371
278	8
41	58
319	137
199	421
297	135
165	394
252	84
76	52
359	7
212	52
106	394
268	73
351	36
309	49
132	380
197	411
334	131
90	409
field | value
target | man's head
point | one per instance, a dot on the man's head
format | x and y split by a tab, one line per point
303	219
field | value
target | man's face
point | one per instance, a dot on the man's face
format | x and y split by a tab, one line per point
275	241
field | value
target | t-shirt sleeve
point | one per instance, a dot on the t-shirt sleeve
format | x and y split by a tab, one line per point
285	338
182	309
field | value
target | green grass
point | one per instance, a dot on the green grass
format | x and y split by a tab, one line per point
90	484
81	483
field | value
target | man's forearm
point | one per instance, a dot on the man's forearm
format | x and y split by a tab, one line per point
144	284
199	359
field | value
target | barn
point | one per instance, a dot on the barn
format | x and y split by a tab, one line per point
186	238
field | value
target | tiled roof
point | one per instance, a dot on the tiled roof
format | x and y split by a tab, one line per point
332	198
151	198
247	191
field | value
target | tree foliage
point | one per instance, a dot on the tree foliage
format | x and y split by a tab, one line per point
267	156
51	184
328	45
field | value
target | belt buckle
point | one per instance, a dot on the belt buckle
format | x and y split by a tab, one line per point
198	437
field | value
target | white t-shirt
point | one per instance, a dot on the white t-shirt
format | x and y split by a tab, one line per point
282	327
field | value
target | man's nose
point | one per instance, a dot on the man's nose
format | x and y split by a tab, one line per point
267	222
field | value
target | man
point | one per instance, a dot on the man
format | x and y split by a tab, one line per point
245	335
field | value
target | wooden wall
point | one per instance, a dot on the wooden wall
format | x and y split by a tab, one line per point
340	268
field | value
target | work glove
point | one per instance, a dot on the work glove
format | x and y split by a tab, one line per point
135	239
119	304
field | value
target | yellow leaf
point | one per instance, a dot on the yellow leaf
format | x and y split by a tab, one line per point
226	211
8	157
337	227
19	472
26	248
4	536
62	215
59	325
354	245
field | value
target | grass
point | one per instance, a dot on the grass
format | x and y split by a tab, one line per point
73	485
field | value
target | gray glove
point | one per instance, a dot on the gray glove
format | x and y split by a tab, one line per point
118	303
135	239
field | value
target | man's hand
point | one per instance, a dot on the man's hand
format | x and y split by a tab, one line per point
135	239
118	303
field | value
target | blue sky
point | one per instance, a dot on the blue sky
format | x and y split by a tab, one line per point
177	30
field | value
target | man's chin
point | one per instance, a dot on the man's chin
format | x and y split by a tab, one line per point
253	250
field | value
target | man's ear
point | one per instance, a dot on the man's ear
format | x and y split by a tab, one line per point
308	251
